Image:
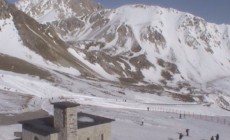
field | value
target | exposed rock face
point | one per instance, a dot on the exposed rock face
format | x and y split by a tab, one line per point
57	9
4	10
31	39
9	63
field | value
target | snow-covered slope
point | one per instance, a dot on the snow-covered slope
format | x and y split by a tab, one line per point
26	43
22	96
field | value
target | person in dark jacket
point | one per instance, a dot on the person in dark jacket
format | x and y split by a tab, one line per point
187	132
212	138
180	136
217	136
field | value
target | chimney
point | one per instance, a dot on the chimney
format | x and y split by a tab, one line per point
65	120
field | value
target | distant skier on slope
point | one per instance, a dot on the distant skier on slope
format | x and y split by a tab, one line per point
187	132
142	121
212	138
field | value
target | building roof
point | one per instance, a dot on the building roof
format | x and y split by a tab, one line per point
64	105
45	126
42	126
88	120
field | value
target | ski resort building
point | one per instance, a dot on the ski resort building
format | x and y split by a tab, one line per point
67	124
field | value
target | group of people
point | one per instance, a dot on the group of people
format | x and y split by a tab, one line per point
187	134
217	137
181	116
181	135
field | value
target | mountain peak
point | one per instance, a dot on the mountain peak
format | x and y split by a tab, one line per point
52	10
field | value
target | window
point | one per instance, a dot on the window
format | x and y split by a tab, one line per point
102	137
36	138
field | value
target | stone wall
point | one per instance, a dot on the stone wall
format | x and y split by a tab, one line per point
95	132
65	120
27	135
59	123
71	123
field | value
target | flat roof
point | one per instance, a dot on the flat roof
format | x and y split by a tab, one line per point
91	120
64	105
45	126
42	126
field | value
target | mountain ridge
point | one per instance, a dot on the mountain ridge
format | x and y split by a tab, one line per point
129	36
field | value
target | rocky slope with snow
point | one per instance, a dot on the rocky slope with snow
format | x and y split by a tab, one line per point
31	48
140	43
143	48
53	10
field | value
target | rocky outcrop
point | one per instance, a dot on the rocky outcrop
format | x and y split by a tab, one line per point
4	13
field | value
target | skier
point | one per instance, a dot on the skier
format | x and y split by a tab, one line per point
142	121
212	138
148	108
180	116
217	136
180	136
187	132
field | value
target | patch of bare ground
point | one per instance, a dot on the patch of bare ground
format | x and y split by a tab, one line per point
109	63
16	65
127	81
183	97
168	66
92	44
141	62
154	36
166	75
152	89
169	70
70	24
224	104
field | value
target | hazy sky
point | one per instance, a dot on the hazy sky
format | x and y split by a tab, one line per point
217	11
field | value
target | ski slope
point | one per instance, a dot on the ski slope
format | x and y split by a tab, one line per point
126	106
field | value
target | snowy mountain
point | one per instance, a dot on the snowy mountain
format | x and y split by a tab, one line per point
36	47
141	43
146	49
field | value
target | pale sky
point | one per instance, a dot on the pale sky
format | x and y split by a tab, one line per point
216	11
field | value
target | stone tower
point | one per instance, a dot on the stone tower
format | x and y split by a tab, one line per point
65	120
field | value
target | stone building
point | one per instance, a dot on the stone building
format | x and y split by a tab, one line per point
67	124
